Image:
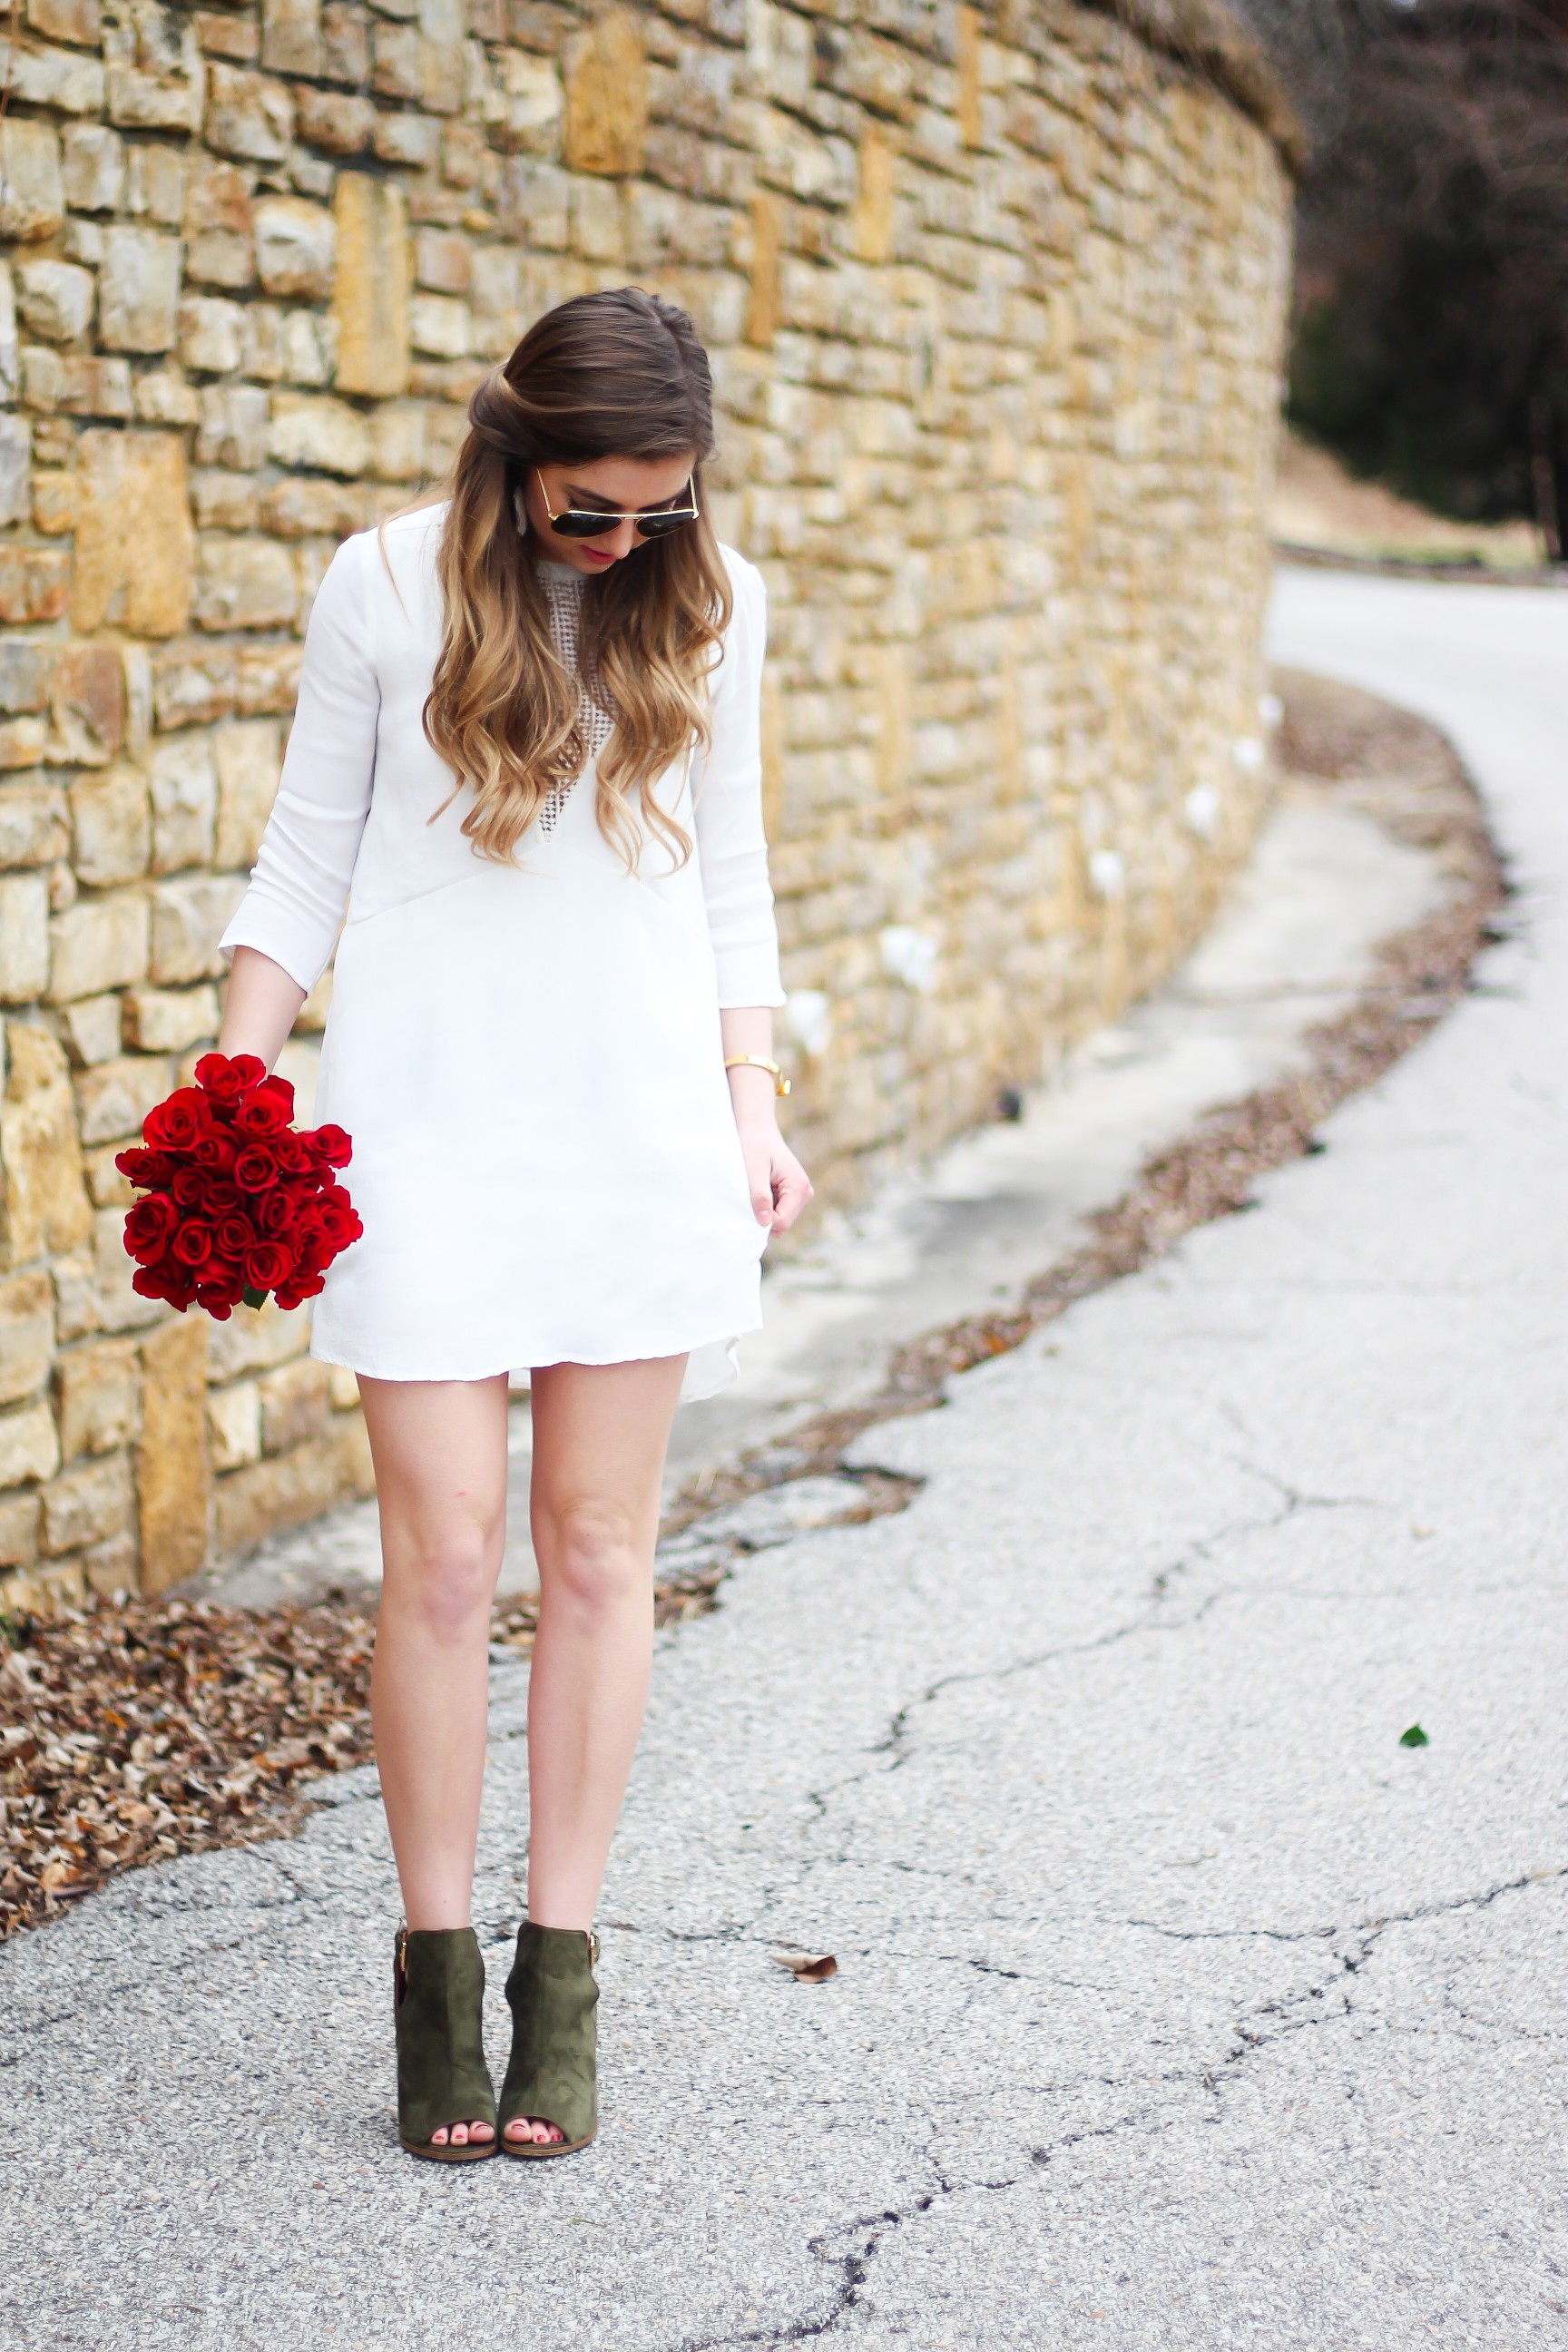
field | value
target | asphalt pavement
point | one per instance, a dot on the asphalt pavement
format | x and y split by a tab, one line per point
1178	2004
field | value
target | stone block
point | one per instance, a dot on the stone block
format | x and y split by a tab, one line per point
296	1405
267	677
162	397
189	918
174	1468
80	21
35	583
497	305
343	1388
219	241
310	347
90	1028
92	167
111	827
56	78
309	506
108	1567
408	138
184	790
294	1487
224	501
23	742
54	502
27	1334
325	435
86	706
155	183
46	1203
234	1425
345	44
55	298
443	263
32	191
440	326
394	61
88	384
156	77
244	584
76	1296
370	299
249	116
605	78
533	105
98	943
35	825
335	119
234	427
113	1099
85	1504
25	665
211	334
10	353
135	548
235	39
100	1392
24	937
170	1021
296	247
15	469
250	757
442	59
398	443
19	1529
138	289
29	1448
291	36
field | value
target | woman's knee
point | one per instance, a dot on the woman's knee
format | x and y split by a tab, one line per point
594	1554
448	1578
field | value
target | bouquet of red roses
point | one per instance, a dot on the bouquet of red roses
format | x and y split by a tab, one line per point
237	1202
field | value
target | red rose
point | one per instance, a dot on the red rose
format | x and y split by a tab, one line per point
225	1076
266	1266
157	1281
149	1169
189	1187
275	1214
148	1227
255	1168
289	1150
178	1123
221	1196
330	1145
260	1117
234	1235
217	1150
282	1090
191	1245
220	1298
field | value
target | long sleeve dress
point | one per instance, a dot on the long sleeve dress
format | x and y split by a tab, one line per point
527	1055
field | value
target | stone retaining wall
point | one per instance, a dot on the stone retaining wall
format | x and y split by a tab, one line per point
994	296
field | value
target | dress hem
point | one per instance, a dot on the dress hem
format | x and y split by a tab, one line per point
524	1362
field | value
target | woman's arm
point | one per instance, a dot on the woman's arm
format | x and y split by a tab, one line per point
780	1185
262	1006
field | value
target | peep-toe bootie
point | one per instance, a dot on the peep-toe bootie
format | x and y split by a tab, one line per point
551	2077
438	1999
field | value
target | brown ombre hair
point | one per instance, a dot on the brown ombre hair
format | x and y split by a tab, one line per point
616	375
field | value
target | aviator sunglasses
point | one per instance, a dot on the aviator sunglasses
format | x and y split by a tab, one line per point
591	522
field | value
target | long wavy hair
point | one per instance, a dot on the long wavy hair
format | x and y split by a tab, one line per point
615	374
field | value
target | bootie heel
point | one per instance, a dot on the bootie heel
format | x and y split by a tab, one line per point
438	1999
552	2075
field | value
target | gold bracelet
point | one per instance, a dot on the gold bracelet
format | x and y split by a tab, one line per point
759	1061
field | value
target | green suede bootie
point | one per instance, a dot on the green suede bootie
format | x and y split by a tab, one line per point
552	2075
438	2002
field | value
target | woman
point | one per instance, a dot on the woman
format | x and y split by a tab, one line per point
526	743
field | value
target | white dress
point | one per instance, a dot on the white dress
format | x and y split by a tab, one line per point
527	1056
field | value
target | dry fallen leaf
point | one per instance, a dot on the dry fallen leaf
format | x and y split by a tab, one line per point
806	1968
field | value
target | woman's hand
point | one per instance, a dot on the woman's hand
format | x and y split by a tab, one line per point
780	1185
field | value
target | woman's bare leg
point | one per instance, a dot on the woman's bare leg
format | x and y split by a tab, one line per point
439	1448
600	1432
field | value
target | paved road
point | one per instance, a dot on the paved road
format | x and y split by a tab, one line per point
1179	2005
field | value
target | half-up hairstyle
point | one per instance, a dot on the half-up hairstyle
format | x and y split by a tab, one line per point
615	374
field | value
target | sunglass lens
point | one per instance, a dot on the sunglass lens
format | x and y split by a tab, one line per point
659	525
